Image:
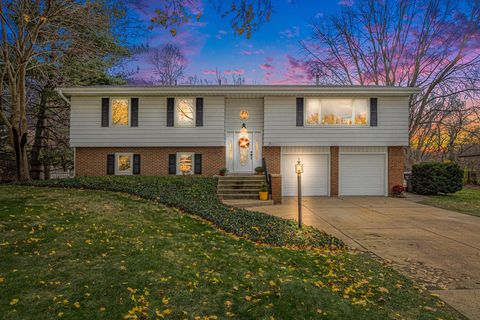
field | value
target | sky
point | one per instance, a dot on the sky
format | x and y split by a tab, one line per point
271	56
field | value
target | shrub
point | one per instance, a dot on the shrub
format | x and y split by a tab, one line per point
431	178
398	189
259	169
197	196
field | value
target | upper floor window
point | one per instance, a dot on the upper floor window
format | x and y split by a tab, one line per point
120	112
185	112
336	112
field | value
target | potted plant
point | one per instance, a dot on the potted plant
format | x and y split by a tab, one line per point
223	171
397	191
259	170
263	193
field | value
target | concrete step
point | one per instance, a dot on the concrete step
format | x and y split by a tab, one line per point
247	203
240	184
238	195
252	177
238	191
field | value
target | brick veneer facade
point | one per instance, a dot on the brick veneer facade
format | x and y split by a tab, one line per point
272	156
92	161
334	154
396	160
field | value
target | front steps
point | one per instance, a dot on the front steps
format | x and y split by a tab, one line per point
239	187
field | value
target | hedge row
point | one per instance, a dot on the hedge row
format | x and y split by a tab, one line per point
431	178
197	196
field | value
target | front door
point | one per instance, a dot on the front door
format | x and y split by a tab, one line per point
243	155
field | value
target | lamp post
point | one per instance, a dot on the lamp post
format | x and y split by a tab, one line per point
299	171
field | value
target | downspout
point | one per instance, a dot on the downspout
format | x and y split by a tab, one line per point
60	93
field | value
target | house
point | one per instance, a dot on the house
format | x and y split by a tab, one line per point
349	138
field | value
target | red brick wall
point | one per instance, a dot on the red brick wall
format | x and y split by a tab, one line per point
277	188
334	154
396	158
92	161
272	156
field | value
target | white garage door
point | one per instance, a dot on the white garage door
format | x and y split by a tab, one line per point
362	175
314	177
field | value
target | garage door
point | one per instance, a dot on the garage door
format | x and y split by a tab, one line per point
314	177
362	175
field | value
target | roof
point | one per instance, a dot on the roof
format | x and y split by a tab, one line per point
239	90
471	151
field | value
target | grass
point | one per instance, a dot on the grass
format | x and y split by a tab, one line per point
465	201
86	254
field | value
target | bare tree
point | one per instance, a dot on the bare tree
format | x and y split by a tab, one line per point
169	64
428	44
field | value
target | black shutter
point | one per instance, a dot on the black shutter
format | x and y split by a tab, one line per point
198	163
199	112
170	111
134	111
299	112
110	164
136	164
373	112
172	164
105	111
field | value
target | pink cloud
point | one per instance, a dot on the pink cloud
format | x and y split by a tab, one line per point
209	71
269	59
266	66
250	52
234	71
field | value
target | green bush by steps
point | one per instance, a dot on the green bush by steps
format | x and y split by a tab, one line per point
432	178
197	196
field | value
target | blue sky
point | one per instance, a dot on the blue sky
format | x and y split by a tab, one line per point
271	55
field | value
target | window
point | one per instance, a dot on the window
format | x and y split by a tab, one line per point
120	112
123	163
336	112
185	112
185	163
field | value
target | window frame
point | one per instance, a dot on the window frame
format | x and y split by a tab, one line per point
129	112
123	173
177	163
320	114
175	112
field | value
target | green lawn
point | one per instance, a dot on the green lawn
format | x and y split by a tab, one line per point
83	254
465	201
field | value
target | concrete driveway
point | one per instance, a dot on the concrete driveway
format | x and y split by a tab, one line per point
436	247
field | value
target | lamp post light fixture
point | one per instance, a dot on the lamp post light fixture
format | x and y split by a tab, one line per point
299	171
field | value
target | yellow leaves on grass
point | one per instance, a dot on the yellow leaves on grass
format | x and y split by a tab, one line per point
14	301
165	300
2	280
77	305
89	242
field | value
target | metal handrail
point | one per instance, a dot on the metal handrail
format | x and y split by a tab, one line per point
268	177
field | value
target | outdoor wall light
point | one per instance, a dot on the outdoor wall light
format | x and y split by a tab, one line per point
299	167
244	115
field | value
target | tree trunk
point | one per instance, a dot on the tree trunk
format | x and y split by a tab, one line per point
35	163
21	159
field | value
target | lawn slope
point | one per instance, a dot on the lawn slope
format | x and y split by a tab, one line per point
83	254
464	201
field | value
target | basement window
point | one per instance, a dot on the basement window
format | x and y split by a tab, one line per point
185	163
123	163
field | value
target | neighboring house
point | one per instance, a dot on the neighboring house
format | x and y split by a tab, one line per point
349	138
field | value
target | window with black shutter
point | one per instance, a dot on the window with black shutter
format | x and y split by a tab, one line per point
134	111
199	112
198	164
299	112
105	111
170	112
373	112
172	164
110	164
136	164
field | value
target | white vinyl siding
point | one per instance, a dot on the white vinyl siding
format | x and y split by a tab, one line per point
315	177
255	114
280	126
362	174
152	131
